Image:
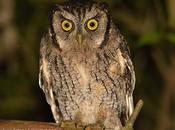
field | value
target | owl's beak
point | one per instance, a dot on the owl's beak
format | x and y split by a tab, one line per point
79	38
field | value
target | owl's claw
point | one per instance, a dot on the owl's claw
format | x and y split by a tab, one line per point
94	127
68	124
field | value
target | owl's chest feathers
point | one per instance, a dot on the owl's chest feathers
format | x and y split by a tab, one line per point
88	96
82	65
84	75
88	84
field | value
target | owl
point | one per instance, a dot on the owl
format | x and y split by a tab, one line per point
86	71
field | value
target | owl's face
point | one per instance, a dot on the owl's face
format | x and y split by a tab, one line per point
80	25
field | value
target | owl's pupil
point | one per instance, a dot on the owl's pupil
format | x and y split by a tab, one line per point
67	25
92	24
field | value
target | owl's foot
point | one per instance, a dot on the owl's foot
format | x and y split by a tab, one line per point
66	125
94	127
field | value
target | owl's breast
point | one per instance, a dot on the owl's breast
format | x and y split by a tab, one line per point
84	76
93	97
86	93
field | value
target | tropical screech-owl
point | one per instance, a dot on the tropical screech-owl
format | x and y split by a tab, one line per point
85	68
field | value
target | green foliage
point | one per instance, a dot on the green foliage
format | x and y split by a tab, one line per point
150	38
155	38
171	38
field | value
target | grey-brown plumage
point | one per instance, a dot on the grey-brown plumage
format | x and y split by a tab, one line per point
85	68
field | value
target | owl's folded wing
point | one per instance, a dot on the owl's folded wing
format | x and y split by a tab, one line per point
45	82
129	78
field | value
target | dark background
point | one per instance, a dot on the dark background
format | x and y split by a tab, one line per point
148	26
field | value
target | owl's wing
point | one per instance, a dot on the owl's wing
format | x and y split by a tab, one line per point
129	81
45	82
130	84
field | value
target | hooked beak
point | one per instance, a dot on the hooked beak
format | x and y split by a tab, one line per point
79	38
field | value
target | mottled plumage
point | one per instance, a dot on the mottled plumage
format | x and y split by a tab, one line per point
85	68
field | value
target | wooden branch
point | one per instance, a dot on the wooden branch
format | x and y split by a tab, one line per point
131	121
136	112
26	125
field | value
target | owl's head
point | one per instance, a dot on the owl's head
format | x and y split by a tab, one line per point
80	24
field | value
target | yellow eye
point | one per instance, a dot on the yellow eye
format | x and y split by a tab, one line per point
66	25
92	24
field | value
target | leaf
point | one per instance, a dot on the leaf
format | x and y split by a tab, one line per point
171	38
150	38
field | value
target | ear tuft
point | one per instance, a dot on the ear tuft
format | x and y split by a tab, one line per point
54	8
52	11
104	6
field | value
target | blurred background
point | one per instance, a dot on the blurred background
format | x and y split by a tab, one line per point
148	26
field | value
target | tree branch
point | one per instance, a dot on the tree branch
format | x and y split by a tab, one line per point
11	124
136	112
131	121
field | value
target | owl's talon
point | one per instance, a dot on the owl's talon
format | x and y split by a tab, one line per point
68	124
79	126
94	127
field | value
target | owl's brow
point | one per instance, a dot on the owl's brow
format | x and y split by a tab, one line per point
62	17
96	16
66	15
76	12
79	10
68	10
